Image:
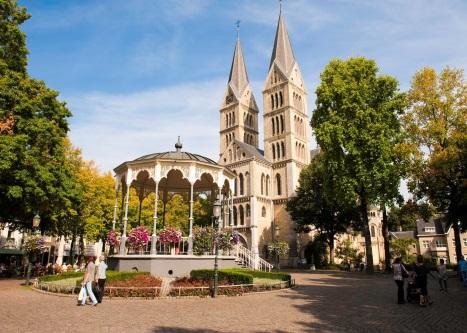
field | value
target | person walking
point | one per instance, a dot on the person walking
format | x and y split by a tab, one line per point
442	276
87	282
101	277
400	273
421	280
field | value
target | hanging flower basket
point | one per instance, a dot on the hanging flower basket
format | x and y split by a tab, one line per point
138	238
170	236
113	238
34	245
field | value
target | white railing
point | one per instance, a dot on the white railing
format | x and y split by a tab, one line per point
248	259
163	248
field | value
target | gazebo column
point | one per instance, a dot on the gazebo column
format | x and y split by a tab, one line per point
154	235
125	222
114	221
190	236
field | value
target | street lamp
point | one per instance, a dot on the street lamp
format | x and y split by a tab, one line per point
216	212
36	221
276	238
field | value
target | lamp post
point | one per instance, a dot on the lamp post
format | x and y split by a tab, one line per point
36	221
276	239
216	212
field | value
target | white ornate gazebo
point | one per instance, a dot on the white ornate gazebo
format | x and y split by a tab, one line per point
173	171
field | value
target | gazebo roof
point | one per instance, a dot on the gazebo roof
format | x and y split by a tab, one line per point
176	155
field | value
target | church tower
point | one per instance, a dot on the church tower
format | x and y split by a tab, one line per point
286	130
238	112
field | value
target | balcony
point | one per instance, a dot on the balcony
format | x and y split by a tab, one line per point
439	248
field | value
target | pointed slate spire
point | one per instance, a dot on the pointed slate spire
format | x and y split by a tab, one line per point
238	78
282	53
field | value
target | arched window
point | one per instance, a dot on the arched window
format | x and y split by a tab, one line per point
282	124
240	177
268	181
273	151
248	212
281	101
242	216
233	118
283	148
263	211
278	150
230	155
235	216
247	183
276	100
262	183
272	102
373	233
273	126
278	183
277	125
235	187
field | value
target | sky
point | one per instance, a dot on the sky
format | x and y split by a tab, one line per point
137	74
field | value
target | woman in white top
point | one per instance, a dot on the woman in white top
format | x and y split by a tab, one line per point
101	277
399	273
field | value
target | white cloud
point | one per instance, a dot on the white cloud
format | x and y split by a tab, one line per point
112	129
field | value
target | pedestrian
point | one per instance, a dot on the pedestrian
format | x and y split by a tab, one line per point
400	273
87	282
421	277
101	277
442	276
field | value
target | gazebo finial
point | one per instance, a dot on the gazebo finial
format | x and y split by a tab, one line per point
178	145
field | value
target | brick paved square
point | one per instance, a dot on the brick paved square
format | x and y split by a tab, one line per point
322	302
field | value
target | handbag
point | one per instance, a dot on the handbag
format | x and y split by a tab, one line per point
81	294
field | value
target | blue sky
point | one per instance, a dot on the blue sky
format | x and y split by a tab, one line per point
136	74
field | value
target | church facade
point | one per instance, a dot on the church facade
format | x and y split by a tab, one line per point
265	179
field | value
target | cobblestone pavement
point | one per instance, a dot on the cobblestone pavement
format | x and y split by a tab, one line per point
323	302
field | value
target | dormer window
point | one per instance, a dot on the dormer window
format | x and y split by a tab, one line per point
429	229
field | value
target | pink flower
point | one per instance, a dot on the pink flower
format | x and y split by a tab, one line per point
170	235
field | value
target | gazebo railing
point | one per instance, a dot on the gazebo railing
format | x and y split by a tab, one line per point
164	248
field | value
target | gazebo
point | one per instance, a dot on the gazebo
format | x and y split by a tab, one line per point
172	172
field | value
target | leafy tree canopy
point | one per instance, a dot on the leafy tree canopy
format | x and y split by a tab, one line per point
356	124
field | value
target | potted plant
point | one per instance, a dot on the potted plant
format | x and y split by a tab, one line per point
171	236
278	248
138	238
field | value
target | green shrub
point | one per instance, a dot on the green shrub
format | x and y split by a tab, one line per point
62	276
233	277
451	267
332	267
260	274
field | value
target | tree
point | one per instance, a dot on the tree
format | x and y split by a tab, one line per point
33	174
401	248
405	217
436	124
322	202
98	201
347	252
356	124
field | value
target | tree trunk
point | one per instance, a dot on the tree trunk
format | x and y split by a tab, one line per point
387	254
331	250
366	233
457	240
72	247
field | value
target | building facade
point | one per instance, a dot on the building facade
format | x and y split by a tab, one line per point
267	178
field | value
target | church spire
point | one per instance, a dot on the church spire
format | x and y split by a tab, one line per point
238	78
282	53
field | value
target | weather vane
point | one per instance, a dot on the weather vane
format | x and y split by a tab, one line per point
237	24
280	6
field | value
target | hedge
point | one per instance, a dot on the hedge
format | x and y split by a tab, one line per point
262	275
111	276
234	277
62	276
